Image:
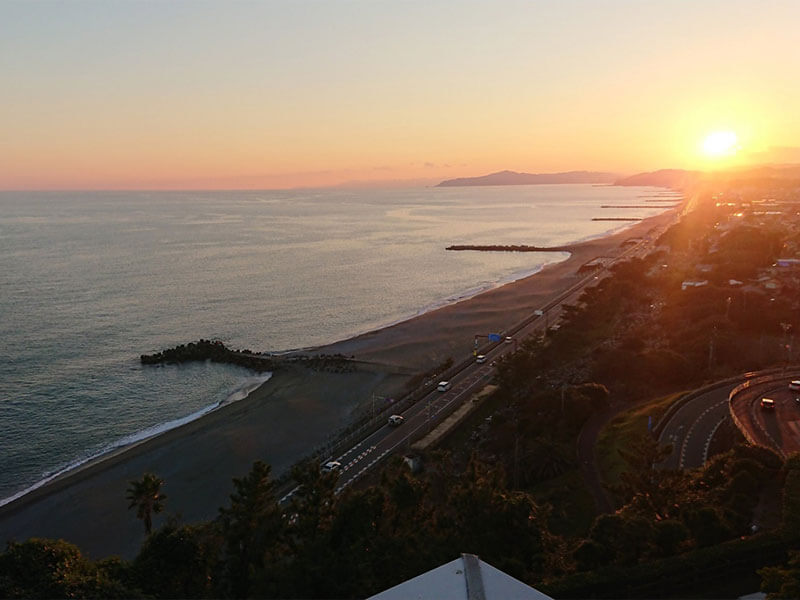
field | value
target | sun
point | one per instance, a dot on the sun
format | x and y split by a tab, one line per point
719	144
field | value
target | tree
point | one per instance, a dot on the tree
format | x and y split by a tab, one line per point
707	526
179	561
312	509
782	581
145	494
42	568
624	536
589	555
254	531
481	516
790	515
669	535
653	493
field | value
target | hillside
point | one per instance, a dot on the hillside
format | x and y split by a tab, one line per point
670	178
514	178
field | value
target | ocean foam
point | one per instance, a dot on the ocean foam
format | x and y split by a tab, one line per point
248	385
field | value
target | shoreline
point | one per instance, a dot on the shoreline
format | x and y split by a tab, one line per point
120	446
201	456
565	249
130	441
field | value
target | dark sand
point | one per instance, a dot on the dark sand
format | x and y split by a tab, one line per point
283	420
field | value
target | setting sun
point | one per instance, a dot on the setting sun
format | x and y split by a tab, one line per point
720	143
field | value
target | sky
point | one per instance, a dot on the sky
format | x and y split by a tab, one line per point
118	94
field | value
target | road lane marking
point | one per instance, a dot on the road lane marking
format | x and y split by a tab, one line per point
682	462
711	437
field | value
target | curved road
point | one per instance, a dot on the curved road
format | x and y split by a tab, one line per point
691	428
778	427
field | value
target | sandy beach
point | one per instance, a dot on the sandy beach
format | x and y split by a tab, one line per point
283	420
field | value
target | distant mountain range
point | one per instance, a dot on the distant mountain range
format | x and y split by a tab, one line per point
676	179
514	178
668	178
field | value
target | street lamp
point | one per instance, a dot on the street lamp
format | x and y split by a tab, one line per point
376	397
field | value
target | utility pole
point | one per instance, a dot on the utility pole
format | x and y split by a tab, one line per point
429	416
711	348
375	397
787	327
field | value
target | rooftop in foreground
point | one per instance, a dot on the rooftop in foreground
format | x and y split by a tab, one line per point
467	578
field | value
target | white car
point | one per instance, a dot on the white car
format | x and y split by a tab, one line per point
331	465
767	403
444	386
395	420
480	358
509	339
795	386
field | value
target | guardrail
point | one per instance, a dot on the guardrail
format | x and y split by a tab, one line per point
689	396
745	386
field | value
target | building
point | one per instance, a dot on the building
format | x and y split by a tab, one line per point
465	578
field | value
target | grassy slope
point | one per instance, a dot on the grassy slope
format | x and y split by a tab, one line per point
620	431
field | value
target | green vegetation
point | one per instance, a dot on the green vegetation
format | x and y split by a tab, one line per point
621	432
146	497
572	505
321	545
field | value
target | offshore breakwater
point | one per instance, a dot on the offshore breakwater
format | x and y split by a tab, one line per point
508	248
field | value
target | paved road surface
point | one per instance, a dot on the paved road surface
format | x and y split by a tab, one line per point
692	427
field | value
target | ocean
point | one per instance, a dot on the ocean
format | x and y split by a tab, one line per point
91	280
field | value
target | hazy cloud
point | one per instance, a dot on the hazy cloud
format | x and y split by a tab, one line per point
777	154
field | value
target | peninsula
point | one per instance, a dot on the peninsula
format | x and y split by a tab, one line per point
514	178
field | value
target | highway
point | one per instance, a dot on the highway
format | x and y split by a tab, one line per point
778	427
470	378
691	428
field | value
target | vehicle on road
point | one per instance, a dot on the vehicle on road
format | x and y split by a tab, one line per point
331	466
767	403
481	358
795	385
444	386
395	420
509	339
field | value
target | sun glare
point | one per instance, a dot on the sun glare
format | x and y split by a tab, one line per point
720	143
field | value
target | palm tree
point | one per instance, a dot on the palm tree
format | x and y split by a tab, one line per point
146	496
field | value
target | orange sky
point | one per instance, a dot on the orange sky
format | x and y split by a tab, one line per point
275	94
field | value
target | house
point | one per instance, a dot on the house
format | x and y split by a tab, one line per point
464	578
693	283
788	262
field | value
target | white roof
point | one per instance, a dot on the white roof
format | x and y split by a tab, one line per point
465	578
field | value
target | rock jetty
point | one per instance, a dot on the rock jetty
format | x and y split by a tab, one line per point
514	248
216	351
211	350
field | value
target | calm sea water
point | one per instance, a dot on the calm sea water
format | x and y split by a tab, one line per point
90	280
